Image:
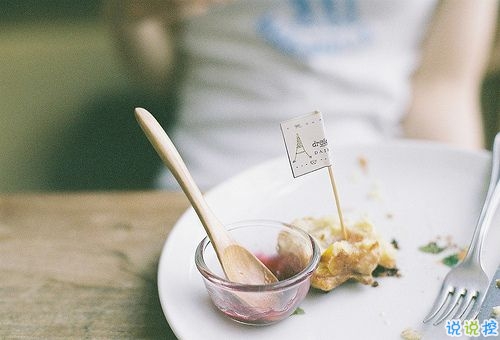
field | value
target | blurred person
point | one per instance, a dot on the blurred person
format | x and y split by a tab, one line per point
376	69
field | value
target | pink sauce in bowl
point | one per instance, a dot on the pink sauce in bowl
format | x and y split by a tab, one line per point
261	304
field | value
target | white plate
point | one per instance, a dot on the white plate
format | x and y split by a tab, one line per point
413	192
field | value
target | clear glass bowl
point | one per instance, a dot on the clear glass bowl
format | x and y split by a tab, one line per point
288	251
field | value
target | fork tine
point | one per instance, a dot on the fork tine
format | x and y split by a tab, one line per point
443	295
468	301
454	302
474	311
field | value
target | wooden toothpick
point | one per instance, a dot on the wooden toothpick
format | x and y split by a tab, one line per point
337	202
309	130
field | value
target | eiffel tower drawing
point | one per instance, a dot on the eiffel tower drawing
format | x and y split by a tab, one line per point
299	148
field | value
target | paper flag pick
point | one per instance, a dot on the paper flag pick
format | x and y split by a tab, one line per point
306	143
307	149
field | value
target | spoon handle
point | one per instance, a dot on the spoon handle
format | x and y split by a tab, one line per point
170	156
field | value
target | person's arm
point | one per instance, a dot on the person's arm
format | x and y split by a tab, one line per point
146	33
446	87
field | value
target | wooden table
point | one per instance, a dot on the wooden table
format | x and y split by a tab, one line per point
84	265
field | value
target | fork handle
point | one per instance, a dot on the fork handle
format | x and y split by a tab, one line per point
489	207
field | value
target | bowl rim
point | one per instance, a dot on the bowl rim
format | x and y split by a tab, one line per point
291	281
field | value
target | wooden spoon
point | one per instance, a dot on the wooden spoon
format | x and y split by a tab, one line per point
238	263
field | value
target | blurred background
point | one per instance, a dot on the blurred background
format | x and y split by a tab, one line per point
67	102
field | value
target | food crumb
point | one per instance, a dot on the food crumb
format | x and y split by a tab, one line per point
363	164
395	244
410	334
381	271
495	312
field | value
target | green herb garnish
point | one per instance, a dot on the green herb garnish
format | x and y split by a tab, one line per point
298	311
431	248
451	260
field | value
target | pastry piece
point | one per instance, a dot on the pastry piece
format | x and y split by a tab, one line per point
353	259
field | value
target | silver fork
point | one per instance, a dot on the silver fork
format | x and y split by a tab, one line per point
464	287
